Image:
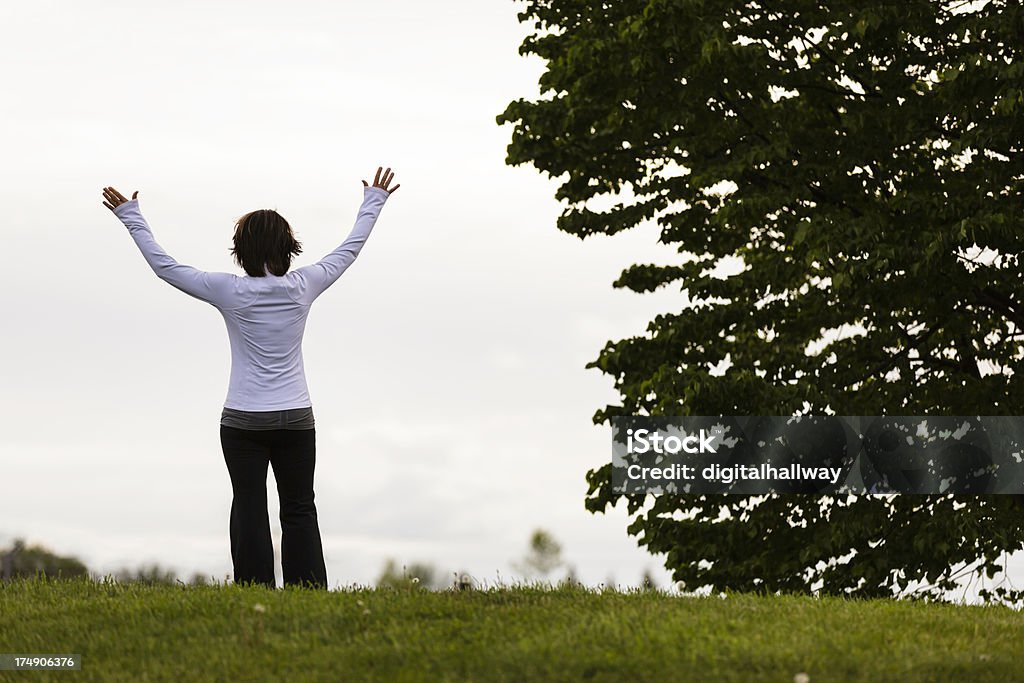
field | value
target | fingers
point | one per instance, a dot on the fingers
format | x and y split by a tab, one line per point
113	198
392	190
382	179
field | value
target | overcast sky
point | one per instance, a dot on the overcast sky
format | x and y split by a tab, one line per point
445	367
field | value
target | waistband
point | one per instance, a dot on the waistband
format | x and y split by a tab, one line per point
292	418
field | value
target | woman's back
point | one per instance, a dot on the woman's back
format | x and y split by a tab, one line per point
265	316
265	331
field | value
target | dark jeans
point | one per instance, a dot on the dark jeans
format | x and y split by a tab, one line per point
292	454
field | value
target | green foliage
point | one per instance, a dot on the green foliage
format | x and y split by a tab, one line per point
21	560
24	560
544	556
199	579
862	162
647	581
417	576
150	574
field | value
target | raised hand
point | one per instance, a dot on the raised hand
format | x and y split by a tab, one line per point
383	181
113	198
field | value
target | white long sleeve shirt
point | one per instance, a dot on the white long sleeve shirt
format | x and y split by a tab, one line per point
265	316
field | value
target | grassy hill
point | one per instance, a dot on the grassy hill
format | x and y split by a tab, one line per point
134	632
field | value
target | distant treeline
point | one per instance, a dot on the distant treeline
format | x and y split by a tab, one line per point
542	560
22	560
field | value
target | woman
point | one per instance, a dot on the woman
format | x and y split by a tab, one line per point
267	415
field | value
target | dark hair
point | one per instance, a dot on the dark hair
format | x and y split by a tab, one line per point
264	242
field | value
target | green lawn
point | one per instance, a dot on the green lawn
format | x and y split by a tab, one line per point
134	632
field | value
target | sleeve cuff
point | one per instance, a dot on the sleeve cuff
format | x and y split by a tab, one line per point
127	209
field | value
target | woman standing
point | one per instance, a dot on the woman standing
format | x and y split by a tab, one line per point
267	416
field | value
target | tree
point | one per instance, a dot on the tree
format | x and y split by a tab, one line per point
544	556
648	582
418	575
149	574
861	164
199	579
22	560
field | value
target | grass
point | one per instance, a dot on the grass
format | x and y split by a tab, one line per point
134	632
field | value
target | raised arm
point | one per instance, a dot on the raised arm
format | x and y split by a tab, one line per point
318	276
213	288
